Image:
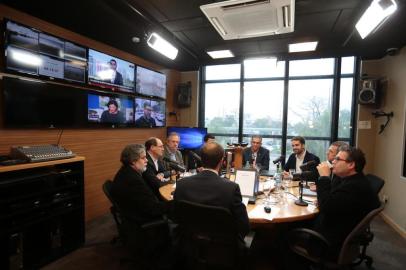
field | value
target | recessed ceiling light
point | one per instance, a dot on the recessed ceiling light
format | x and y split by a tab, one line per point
220	54
303	47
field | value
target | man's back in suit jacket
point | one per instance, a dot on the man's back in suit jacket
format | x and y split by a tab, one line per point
210	189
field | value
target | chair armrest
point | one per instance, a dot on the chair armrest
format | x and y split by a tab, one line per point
248	239
154	224
309	244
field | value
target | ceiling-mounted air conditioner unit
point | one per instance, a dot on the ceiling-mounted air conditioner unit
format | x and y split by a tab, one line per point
236	19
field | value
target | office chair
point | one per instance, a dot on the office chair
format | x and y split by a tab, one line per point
376	182
208	237
114	210
314	247
143	241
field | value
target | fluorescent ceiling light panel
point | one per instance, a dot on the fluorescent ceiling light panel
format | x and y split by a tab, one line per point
375	15
162	46
303	47
220	54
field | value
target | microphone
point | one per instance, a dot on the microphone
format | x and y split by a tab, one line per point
279	159
174	165
177	167
196	156
306	166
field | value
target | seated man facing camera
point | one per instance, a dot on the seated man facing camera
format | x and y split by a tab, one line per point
208	188
155	174
256	155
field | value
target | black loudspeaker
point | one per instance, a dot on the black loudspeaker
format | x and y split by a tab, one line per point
369	93
184	94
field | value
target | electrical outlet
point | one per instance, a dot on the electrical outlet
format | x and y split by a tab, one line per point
385	198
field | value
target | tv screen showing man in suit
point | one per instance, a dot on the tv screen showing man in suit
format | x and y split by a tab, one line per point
111	72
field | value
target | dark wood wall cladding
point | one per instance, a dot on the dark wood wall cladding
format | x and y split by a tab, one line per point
100	147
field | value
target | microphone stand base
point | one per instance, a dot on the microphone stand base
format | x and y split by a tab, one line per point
300	202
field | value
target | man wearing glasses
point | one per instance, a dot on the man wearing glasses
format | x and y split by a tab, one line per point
343	206
155	175
129	189
138	205
256	155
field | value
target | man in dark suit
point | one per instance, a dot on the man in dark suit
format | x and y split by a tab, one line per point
331	153
300	156
343	206
208	188
138	205
116	76
256	154
146	120
130	191
155	174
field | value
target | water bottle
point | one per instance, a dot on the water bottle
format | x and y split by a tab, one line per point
278	179
247	165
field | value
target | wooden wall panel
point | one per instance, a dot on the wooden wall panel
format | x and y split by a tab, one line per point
100	147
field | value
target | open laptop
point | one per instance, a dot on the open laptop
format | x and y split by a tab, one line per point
247	179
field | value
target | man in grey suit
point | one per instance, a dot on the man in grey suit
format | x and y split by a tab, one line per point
208	188
171	150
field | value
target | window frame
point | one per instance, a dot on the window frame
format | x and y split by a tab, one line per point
336	76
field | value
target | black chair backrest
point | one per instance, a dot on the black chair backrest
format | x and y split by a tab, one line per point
114	209
208	235
350	248
376	182
107	189
204	218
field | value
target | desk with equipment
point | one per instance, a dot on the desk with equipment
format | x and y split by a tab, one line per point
283	207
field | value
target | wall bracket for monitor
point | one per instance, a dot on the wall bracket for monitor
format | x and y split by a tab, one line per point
378	114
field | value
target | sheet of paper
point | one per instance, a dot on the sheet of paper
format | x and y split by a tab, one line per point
245	201
246	181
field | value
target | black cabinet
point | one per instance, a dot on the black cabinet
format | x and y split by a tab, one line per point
41	212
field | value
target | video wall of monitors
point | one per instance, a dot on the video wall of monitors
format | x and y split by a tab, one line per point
114	93
150	83
33	52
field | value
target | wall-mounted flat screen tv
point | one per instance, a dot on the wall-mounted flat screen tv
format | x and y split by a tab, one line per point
150	83
37	53
190	137
149	113
110	110
110	72
35	104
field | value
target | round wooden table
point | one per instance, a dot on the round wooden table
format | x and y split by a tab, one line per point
285	210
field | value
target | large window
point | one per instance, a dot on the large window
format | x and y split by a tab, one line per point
312	98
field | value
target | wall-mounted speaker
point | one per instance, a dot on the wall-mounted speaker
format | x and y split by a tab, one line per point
184	94
369	92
